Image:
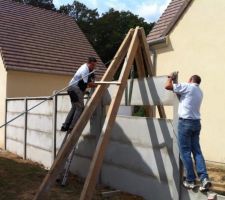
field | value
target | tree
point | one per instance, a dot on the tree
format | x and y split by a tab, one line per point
107	32
46	4
111	28
85	17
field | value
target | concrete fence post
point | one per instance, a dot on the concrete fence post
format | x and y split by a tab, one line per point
54	125
25	130
6	110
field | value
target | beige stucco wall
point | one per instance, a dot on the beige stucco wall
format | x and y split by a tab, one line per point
20	84
2	101
198	47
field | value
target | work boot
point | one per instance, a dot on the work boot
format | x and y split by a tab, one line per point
64	128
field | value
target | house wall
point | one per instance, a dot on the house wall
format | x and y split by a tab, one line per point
197	46
20	84
2	100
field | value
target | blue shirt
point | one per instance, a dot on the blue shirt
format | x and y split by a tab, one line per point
190	100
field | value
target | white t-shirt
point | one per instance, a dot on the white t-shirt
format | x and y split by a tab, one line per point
190	100
82	72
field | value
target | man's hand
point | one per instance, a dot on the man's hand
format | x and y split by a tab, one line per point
171	78
92	85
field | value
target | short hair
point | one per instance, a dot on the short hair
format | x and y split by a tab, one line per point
92	59
196	79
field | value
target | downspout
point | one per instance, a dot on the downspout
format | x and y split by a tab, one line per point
154	59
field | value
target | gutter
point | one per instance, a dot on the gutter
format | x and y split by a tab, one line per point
161	41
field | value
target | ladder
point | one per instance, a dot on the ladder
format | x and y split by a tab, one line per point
134	47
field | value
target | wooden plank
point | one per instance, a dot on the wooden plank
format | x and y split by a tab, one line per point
58	164
162	113
140	64
151	70
146	53
149	110
107	82
109	122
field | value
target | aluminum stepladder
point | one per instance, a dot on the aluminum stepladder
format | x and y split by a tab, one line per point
63	177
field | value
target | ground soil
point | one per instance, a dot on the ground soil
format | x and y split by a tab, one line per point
20	179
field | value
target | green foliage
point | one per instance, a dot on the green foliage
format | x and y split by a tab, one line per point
85	17
111	29
139	111
46	4
107	32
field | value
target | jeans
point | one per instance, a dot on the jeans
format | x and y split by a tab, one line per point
77	102
188	138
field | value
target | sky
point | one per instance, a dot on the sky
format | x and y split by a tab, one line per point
150	10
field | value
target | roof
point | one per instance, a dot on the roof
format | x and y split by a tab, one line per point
168	19
38	40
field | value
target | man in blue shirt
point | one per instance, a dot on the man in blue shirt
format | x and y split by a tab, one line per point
189	126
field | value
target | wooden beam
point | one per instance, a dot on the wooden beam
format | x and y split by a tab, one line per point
109	122
149	110
140	64
151	71
59	163
146	53
107	82
162	113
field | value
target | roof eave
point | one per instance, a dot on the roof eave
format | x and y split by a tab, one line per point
159	42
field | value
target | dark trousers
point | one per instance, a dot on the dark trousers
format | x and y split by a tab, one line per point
77	102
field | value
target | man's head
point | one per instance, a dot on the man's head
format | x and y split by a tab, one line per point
195	79
92	63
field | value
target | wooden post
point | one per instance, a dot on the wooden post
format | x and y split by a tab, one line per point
59	162
162	113
96	163
146	52
25	130
54	125
140	64
131	85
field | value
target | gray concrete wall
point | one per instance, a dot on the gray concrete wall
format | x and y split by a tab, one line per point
38	133
140	158
15	130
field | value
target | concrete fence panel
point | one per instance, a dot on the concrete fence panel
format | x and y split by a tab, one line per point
141	150
15	130
147	91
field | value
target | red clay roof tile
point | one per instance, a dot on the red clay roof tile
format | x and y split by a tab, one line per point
168	19
39	40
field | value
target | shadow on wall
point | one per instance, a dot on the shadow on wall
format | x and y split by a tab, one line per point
139	158
142	156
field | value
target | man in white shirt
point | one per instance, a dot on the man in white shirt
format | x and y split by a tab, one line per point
189	126
77	86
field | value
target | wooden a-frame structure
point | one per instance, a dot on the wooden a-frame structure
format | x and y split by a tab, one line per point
133	48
